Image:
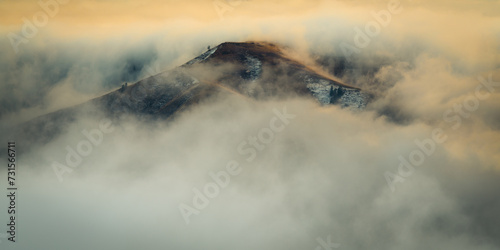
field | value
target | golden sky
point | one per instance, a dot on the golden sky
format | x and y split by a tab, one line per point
102	14
454	24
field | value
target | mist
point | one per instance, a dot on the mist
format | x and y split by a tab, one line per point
321	176
327	175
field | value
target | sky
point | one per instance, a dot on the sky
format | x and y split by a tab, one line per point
331	175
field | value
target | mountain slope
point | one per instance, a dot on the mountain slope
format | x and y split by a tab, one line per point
256	70
251	70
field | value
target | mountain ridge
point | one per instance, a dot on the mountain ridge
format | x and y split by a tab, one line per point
257	70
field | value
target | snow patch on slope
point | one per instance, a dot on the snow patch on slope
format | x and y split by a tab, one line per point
354	99
254	67
253	72
203	56
328	93
320	89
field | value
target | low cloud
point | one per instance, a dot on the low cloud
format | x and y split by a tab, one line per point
324	175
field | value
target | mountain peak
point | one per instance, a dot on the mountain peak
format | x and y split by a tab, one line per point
258	70
230	51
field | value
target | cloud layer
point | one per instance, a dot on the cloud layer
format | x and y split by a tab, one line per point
323	176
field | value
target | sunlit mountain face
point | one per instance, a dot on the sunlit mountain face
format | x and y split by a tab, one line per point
250	125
